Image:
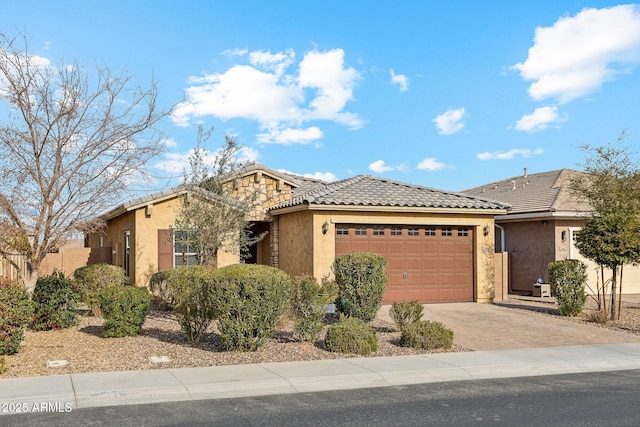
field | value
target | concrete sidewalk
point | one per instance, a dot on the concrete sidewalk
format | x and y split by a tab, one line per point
62	393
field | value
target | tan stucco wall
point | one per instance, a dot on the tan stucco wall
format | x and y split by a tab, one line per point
301	236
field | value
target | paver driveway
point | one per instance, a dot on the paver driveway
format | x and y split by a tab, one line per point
492	327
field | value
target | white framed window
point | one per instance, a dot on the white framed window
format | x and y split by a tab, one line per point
183	252
126	253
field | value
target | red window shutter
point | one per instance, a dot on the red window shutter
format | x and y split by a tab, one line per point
165	250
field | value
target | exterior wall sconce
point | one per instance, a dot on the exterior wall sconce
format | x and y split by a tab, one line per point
486	230
564	235
325	227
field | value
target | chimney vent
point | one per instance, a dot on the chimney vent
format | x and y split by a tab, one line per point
514	184
525	172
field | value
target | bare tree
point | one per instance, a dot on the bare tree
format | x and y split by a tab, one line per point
70	145
213	215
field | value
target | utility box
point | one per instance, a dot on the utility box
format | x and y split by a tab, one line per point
541	290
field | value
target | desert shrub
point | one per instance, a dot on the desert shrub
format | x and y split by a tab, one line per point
406	313
160	292
361	279
91	279
3	365
55	300
16	311
351	335
124	309
309	304
249	301
193	305
568	279
426	335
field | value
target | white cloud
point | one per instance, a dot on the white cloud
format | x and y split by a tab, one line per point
177	163
578	53
450	122
323	176
400	80
539	119
508	155
276	96
170	142
290	136
379	167
431	164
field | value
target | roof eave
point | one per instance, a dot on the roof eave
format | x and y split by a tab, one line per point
395	209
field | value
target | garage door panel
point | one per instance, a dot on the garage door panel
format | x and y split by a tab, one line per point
422	267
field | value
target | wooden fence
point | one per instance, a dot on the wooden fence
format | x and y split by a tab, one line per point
66	260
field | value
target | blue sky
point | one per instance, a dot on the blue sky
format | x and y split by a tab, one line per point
449	95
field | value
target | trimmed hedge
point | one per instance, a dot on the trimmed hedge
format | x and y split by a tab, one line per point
91	279
249	300
193	303
351	335
426	335
406	313
124	309
568	279
362	280
16	312
55	300
309	304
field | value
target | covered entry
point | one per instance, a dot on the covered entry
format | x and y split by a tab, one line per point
426	263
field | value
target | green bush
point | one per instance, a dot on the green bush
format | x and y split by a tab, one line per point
193	304
160	291
309	304
568	279
249	301
124	309
91	279
426	335
55	301
406	313
362	280
16	311
351	335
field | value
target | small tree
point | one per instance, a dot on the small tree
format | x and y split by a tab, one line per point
70	144
213	216
611	234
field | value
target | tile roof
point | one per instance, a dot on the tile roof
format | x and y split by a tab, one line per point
530	193
365	190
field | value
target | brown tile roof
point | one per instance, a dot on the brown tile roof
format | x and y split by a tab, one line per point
539	192
365	190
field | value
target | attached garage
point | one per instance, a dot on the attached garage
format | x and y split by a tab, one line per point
426	263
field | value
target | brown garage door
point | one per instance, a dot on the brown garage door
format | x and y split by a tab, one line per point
426	263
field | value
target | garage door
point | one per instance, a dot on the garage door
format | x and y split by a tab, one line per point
426	263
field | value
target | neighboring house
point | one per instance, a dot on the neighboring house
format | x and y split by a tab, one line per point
541	227
439	244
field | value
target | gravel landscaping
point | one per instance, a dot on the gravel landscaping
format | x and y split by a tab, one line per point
86	351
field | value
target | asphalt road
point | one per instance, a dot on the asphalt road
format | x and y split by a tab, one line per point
594	399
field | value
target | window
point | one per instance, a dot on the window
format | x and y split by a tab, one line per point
183	251
446	231
430	231
342	230
378	230
463	231
396	231
361	230
413	231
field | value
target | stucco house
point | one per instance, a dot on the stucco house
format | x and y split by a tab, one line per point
439	244
541	227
